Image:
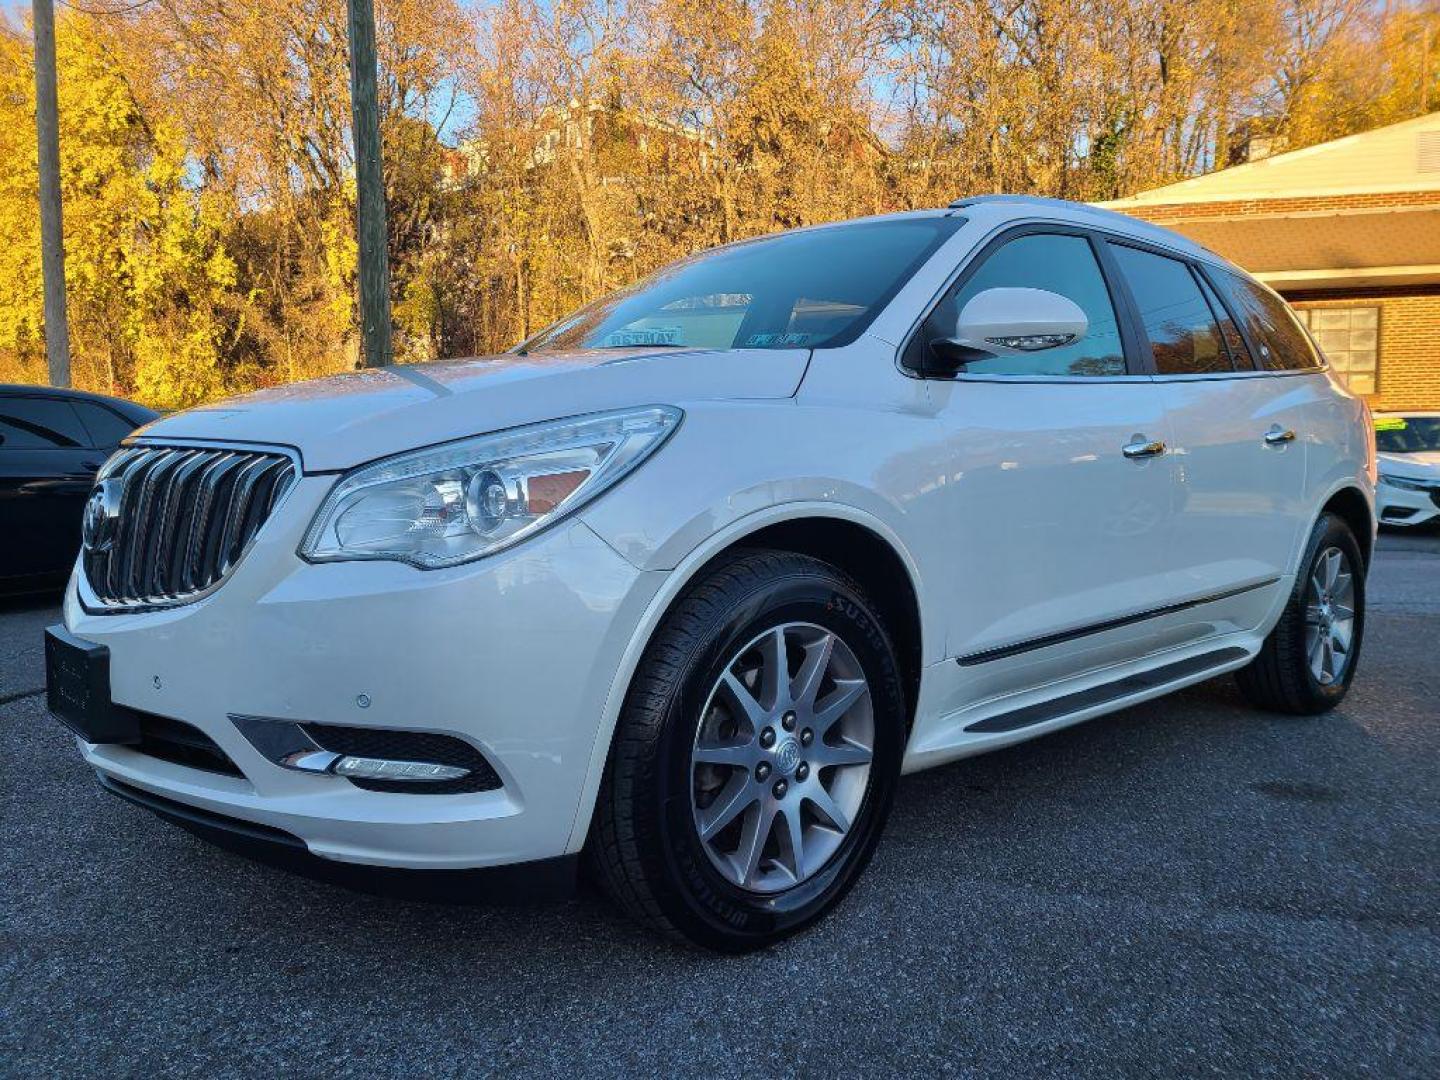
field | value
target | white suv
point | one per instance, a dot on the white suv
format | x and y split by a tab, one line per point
686	581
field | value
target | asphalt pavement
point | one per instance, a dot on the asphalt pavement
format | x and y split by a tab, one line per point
1185	887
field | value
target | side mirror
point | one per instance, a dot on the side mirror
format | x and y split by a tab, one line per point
1006	322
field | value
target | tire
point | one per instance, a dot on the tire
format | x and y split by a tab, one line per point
1281	678
646	846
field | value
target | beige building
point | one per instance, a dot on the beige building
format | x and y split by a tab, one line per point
1347	231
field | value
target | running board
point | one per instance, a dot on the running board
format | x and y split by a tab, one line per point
1054	709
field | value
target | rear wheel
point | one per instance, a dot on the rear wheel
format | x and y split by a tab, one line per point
756	755
1307	663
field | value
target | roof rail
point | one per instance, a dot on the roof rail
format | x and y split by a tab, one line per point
973	200
1131	224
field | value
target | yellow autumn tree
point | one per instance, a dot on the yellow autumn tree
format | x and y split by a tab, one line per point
146	271
539	153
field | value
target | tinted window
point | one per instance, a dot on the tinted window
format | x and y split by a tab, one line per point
797	290
1234	340
1283	345
106	428
1184	336
39	423
1058	264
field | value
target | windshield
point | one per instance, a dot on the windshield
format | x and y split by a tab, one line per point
813	289
1407	434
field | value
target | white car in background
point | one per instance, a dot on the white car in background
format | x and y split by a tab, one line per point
685	582
1408	444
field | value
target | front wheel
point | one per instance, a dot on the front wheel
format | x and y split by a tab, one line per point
756	755
1307	663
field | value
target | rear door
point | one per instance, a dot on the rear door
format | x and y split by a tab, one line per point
1237	435
47	467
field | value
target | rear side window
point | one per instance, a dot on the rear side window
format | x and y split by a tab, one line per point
1283	343
1184	336
1234	340
1058	263
33	423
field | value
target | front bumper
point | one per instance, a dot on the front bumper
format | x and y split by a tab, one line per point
516	654
540	879
1406	506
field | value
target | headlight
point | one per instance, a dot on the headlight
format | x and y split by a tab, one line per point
463	500
1407	485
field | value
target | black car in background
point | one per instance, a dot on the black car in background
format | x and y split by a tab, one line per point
51	444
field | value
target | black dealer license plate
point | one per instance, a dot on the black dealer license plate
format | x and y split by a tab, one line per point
77	689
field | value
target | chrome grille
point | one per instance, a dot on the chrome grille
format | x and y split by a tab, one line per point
181	517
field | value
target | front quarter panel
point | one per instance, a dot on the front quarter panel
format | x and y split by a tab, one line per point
733	467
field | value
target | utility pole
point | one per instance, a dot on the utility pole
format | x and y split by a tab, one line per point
369	186
52	233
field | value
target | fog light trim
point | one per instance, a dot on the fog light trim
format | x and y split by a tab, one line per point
369	768
328	750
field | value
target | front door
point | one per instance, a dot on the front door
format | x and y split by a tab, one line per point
1058	532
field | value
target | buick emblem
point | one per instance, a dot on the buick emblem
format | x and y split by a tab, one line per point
787	756
102	516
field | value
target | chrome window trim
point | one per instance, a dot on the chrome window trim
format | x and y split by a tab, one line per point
1050	380
1288	373
1047	380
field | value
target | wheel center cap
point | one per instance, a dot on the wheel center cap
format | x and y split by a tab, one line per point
787	756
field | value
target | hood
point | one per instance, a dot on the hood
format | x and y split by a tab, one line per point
1422	465
345	420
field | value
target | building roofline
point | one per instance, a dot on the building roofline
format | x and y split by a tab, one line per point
1294	213
1182	191
1142	200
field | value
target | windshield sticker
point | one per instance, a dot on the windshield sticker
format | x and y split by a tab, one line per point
644	335
771	341
1390	423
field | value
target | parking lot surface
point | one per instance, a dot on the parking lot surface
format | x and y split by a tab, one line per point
1185	887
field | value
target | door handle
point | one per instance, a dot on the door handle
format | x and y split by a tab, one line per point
1143	448
1277	436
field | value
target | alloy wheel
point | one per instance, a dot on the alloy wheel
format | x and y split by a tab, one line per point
1330	616
781	759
